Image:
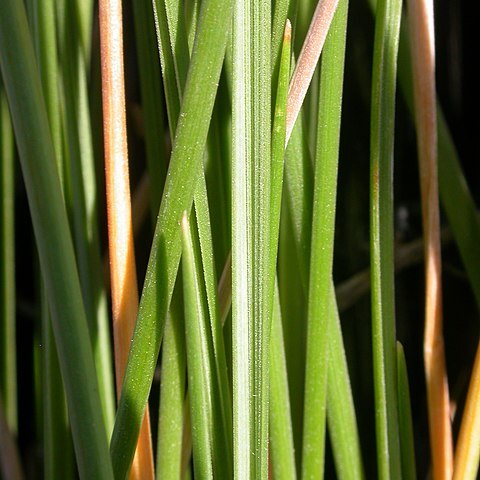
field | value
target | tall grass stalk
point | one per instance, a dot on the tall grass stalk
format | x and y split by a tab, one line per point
387	30
249	128
423	62
53	241
121	251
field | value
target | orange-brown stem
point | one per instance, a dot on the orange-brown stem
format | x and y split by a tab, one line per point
123	279
423	56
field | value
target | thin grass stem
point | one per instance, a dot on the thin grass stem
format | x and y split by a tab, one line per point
381	237
420	17
199	366
321	260
54	241
172	393
121	251
185	166
81	196
8	363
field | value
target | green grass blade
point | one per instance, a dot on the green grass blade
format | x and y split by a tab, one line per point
56	431
278	151
173	57
47	58
84	14
218	176
405	418
221	388
282	10
172	393
281	435
53	240
381	236
185	166
199	368
250	236
152	101
57	452
8	363
342	423
178	41
293	266
299	196
82	179
323	227
172	93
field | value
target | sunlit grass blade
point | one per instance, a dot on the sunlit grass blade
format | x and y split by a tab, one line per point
53	240
8	363
180	58
185	166
250	236
323	227
278	152
381	236
84	10
220	383
281	440
341	418
172	92
420	16
199	368
81	197
172	394
281	435
171	55
293	267
120	236
218	175
172	430
467	451
299	196
407	447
